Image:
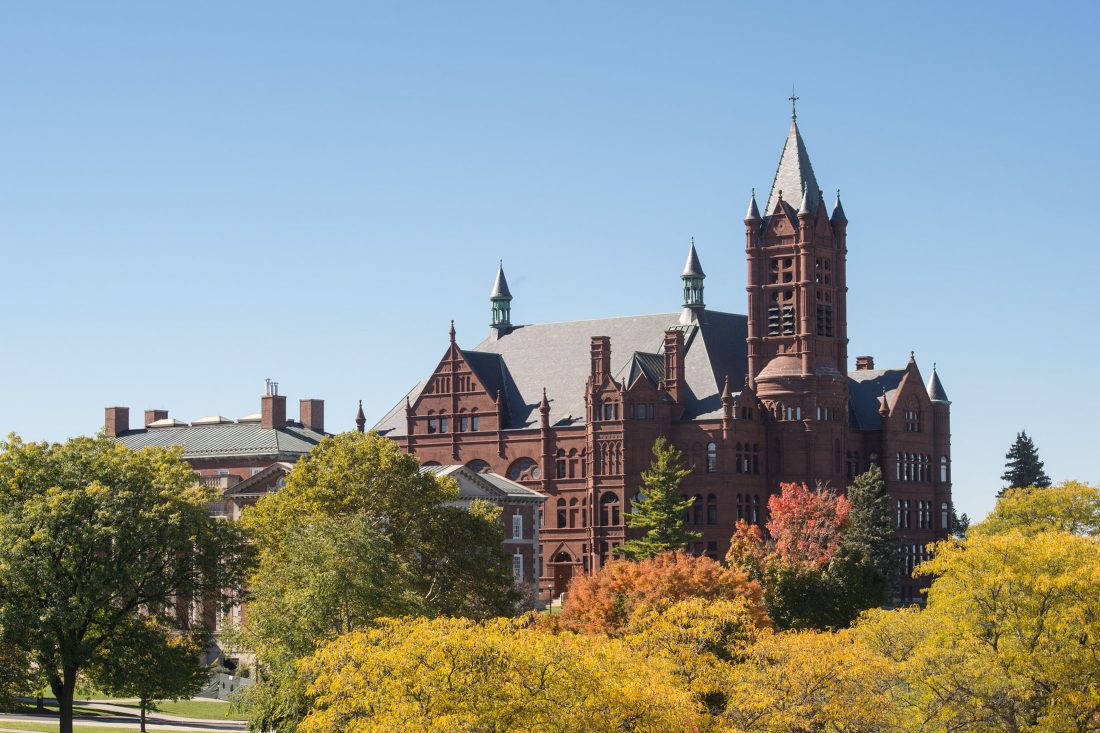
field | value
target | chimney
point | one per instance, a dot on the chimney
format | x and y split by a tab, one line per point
601	359
865	363
151	416
312	415
674	365
273	407
116	421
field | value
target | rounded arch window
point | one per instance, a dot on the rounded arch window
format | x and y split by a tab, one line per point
524	469
478	466
609	510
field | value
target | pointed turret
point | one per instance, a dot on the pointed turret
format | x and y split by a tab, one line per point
804	209
501	303
753	214
794	173
692	276
935	388
360	419
838	210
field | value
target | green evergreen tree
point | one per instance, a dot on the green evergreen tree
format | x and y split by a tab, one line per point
659	510
1023	467
960	524
871	522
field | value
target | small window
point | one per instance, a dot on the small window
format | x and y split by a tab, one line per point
712	509
562	468
475	423
943	469
517	567
945	516
431	424
517	527
442	424
463	424
561	514
712	457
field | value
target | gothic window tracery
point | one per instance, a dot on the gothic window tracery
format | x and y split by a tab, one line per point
524	469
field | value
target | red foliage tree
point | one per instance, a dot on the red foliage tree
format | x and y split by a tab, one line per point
806	524
604	601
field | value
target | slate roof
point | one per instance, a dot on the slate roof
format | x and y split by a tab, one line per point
651	365
935	388
794	175
865	393
227	440
500	285
692	268
556	356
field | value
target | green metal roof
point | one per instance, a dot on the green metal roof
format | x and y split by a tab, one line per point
227	440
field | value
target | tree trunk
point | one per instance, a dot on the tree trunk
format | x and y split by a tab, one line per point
65	701
143	706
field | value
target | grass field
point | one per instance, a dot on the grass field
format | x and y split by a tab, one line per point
77	728
210	709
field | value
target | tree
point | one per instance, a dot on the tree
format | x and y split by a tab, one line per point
813	681
1023	467
152	662
1009	638
867	564
960	524
443	675
1068	507
357	533
659	509
94	536
605	601
807	525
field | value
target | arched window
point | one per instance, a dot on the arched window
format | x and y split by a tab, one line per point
738	459
561	514
712	509
573	513
584	512
945	516
943	469
712	457
478	466
609	510
562	466
475	420
697	510
756	518
430	463
524	469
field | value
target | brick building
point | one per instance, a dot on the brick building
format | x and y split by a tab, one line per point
752	400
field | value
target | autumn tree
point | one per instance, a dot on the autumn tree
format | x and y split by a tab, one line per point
93	537
359	532
1023	467
605	601
152	662
1068	507
807	525
1008	639
444	675
659	509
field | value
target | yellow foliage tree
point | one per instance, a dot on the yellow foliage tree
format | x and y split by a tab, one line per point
812	681
1068	507
500	676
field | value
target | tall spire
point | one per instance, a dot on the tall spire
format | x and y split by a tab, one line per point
838	210
693	276
753	214
360	419
936	392
794	175
500	300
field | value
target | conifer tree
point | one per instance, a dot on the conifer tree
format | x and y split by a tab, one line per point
871	522
1023	467
660	509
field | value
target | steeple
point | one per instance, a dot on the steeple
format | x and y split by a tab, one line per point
692	276
838	210
501	304
795	175
360	419
753	213
935	388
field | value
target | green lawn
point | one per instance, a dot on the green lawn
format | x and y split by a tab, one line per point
197	708
6	725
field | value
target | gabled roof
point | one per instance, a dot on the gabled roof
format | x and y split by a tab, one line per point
484	485
555	356
227	440
652	366
795	175
865	388
256	484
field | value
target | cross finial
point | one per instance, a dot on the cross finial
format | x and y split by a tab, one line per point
793	98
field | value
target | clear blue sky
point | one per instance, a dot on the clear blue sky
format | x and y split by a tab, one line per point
196	196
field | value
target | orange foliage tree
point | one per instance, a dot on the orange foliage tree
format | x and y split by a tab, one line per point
603	603
807	524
